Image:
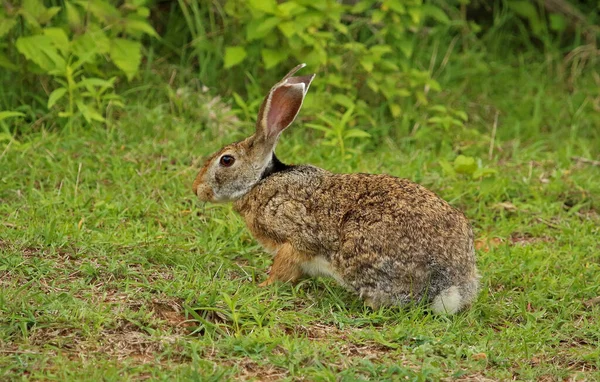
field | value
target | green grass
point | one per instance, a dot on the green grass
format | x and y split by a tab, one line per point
110	269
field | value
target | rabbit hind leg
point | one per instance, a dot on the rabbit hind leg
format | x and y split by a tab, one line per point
287	265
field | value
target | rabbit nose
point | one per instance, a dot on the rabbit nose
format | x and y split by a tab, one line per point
203	191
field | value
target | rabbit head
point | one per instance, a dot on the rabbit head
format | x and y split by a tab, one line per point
232	171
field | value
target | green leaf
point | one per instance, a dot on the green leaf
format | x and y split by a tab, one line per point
260	28
461	114
527	10
348	114
322	128
367	63
89	112
41	51
48	14
356	133
134	24
415	15
288	28
434	85
101	9
30	11
143	12
272	57
373	85
343	100
6	25
266	6
73	16
361	6
98	82
557	22
447	168
316	57
340	28
88	45
377	16
290	8
484	173
5	137
55	96
59	39
465	165
10	114
379	50
234	55
33	8
406	46
5	62
240	101
396	6
395	109
435	13
91	43
126	55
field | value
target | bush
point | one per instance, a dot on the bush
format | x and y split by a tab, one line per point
69	44
363	52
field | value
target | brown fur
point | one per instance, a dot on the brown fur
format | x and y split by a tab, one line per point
389	240
287	265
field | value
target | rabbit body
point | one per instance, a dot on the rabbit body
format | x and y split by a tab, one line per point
389	240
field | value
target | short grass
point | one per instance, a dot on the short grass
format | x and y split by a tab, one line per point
111	270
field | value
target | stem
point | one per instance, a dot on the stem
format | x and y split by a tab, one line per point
70	87
341	139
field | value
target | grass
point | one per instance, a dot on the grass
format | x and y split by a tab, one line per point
111	270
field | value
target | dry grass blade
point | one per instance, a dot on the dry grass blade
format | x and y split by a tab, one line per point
586	161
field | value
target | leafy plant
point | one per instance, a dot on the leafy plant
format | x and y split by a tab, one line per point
467	166
446	117
363	50
69	43
338	130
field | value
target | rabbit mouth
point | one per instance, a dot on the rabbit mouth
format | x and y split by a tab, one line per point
204	193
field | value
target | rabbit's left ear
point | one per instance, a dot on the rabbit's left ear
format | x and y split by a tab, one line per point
281	106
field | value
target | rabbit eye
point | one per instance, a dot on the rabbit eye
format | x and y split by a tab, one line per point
226	160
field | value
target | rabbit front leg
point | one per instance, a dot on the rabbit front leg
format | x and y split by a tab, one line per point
287	266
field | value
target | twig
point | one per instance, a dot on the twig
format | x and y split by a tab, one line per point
77	181
446	57
586	160
433	56
548	223
591	302
7	351
491	152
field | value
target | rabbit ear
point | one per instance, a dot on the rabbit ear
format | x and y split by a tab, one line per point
281	106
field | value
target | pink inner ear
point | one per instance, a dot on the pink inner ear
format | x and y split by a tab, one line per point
285	104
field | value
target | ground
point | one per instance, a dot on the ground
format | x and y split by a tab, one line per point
111	269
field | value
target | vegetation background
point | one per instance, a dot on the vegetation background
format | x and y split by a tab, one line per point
111	270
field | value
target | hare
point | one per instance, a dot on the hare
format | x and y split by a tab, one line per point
389	240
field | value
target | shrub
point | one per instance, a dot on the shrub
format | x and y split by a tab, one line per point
363	51
69	43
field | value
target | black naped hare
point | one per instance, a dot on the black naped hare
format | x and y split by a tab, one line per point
389	240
